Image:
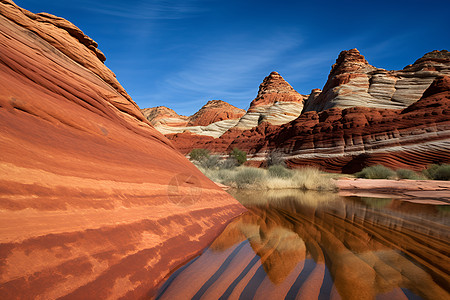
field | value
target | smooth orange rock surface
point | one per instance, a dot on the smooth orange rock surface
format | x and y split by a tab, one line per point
94	202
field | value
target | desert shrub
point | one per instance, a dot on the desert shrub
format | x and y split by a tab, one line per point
274	159
239	155
224	176
199	154
228	163
246	177
279	171
437	172
210	162
312	179
260	179
376	172
407	174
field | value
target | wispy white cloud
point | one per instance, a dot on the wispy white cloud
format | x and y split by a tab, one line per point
230	70
149	10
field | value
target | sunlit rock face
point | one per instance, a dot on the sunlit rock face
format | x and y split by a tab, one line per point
347	140
321	246
163	116
358	120
213	119
354	82
95	203
276	103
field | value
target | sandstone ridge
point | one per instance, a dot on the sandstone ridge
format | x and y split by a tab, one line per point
212	120
354	82
347	140
276	102
95	203
363	116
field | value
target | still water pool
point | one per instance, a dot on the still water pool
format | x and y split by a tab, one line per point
307	245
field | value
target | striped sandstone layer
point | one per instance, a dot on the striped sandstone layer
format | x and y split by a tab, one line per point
346	140
213	119
276	103
94	202
354	82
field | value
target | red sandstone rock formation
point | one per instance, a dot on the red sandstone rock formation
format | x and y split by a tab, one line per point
354	82
276	103
212	120
95	203
162	115
215	111
363	116
346	140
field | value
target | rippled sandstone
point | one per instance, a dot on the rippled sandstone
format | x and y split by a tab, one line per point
276	103
212	120
354	82
95	203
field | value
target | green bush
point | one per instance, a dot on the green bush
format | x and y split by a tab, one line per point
407	174
239	155
438	172
248	177
199	154
279	171
376	172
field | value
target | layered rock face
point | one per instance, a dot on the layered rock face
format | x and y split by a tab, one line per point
161	116
354	82
213	119
356	121
95	203
347	140
276	103
215	111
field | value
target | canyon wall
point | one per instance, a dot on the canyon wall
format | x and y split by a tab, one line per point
95	203
363	116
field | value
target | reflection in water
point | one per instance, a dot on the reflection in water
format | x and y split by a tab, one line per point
304	245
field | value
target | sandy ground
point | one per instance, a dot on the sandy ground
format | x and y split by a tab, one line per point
417	191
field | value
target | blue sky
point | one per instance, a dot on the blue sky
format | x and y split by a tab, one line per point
182	53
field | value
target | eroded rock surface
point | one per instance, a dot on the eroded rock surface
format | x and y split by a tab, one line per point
354	82
276	103
94	202
346	140
213	119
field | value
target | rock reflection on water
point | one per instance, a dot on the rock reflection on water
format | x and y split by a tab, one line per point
306	245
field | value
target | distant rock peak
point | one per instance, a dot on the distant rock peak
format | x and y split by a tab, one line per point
217	103
350	61
275	88
442	56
